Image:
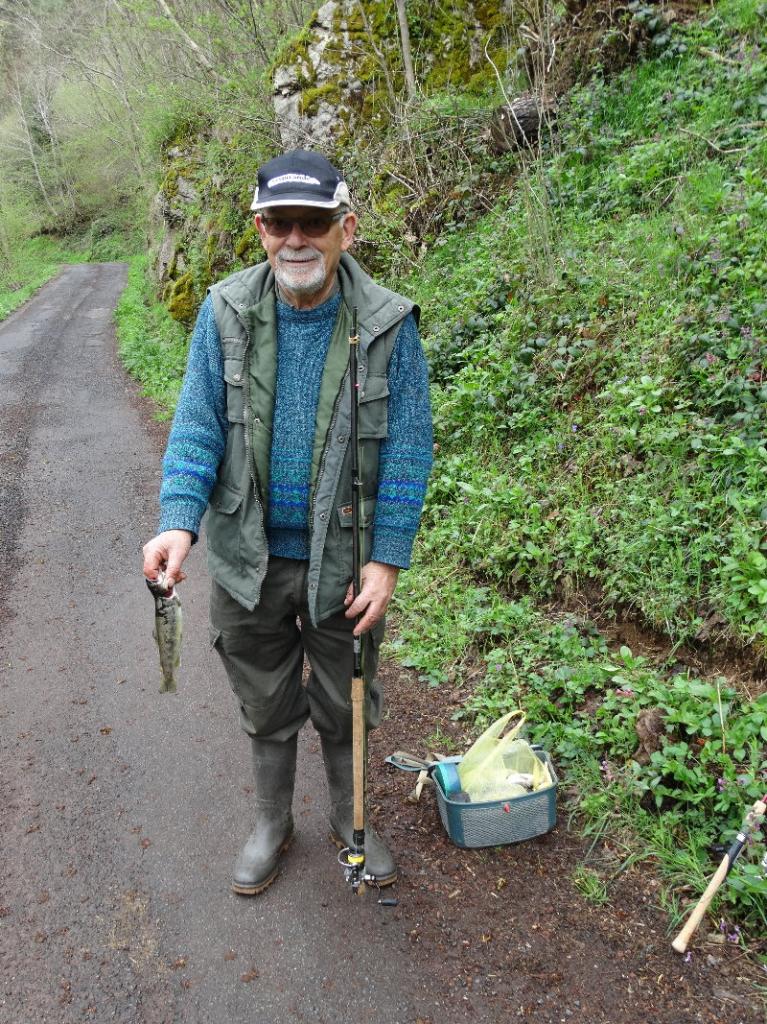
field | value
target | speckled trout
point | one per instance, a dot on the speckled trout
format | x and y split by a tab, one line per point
167	630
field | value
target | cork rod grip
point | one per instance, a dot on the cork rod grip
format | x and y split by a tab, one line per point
358	753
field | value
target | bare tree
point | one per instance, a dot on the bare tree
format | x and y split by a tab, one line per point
6	258
407	59
18	101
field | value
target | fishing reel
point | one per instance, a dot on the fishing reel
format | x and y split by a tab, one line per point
359	879
354	871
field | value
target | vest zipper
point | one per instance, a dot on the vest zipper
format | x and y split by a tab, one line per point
249	453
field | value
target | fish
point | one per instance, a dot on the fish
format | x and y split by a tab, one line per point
167	630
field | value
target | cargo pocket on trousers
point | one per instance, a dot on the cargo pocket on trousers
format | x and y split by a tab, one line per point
372	650
216	643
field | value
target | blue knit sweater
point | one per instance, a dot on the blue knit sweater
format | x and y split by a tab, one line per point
198	436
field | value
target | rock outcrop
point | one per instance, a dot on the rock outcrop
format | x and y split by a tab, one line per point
344	73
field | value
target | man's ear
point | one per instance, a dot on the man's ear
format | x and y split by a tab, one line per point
348	226
260	228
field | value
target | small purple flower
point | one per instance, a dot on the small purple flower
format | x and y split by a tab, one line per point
574	428
734	935
721	785
688	957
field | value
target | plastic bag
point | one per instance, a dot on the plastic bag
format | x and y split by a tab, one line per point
500	766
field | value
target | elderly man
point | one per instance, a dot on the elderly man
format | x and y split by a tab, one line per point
261	439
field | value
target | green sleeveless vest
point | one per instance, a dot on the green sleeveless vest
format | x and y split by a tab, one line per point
236	538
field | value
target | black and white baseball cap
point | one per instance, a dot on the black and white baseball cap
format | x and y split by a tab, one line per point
300	178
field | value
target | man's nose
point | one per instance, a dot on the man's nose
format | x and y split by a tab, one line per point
296	239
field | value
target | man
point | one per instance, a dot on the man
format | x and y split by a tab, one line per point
261	438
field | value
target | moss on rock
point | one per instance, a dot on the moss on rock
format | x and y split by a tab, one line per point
295	52
181	299
248	244
328	92
348	61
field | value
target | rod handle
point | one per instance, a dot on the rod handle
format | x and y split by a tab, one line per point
358	751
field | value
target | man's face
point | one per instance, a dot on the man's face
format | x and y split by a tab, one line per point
305	261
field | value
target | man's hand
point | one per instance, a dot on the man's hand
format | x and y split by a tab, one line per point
167	551
378	583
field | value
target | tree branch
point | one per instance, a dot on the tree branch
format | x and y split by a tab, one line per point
197	51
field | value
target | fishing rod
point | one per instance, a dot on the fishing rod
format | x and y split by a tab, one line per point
750	823
353	857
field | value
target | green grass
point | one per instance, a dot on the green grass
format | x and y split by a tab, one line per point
152	345
33	262
590	885
600	407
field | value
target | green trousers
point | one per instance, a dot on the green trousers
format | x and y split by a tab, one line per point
263	653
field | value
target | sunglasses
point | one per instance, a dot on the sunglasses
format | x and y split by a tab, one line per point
312	227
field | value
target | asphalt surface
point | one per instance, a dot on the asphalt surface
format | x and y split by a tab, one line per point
121	809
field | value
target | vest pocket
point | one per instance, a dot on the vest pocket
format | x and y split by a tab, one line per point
225	499
368	507
233	350
235	401
223	526
373	407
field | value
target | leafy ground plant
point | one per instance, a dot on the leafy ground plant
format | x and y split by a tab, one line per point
590	885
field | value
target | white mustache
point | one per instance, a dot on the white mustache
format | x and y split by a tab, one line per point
299	256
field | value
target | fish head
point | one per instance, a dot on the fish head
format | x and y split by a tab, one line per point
159	587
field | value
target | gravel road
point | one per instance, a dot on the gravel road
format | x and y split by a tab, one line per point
121	809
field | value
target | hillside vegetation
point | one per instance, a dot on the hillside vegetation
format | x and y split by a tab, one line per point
597	345
594	545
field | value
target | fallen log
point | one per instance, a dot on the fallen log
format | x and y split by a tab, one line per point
518	125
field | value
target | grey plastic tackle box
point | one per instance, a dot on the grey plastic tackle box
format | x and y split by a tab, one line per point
498	822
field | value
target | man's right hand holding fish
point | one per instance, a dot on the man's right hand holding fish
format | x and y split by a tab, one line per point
167	551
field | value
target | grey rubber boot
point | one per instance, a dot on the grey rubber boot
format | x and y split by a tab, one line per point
338	768
274	771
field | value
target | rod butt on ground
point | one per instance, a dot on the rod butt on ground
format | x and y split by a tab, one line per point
682	940
751	821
